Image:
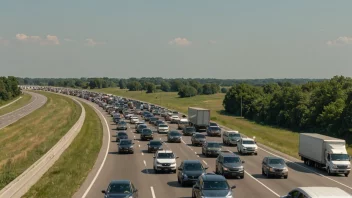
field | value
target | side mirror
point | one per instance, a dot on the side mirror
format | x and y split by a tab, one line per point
206	168
177	157
136	190
243	162
196	187
232	187
103	191
153	156
133	143
179	168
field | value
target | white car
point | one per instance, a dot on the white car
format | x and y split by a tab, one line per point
163	128
175	119
129	115
164	160
247	146
134	120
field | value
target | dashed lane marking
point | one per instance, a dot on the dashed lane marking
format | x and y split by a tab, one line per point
205	163
152	190
262	184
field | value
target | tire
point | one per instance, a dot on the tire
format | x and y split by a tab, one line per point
285	177
263	173
178	180
182	183
346	174
193	196
242	176
328	170
216	170
174	171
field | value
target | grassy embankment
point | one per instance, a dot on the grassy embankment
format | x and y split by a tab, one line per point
18	104
25	141
282	140
68	173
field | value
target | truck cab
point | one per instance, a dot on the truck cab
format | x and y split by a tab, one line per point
338	162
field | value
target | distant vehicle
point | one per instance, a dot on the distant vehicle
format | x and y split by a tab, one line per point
122	125
120	188
121	136
274	166
230	137
126	146
155	145
247	146
189	130
134	119
174	136
163	128
128	116
147	117
325	152
189	171
139	123
211	148
214	131
229	165
213	124
152	120
182	124
198	139
199	118
141	127
174	119
211	184
147	134
156	123
164	160
317	192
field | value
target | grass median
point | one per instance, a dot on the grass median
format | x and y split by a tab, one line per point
28	139
26	98
279	139
65	177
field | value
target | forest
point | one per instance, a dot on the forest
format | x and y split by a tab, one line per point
8	88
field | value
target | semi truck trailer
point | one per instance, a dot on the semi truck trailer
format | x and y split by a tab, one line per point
199	118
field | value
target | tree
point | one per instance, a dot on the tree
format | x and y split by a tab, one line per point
187	91
122	84
150	87
223	90
134	86
165	86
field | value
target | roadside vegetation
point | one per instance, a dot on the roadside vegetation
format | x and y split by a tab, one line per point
65	177
8	89
25	141
26	98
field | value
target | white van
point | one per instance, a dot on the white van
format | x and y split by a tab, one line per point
317	192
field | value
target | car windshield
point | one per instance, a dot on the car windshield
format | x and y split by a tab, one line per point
339	157
231	159
120	188
162	125
235	135
215	185
213	124
214	128
175	134
248	142
128	142
147	131
122	123
200	136
166	155
184	122
193	166
153	119
276	161
190	129
142	126
214	145
122	134
156	143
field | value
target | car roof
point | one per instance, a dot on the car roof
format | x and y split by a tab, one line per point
120	132
213	177
165	151
191	161
120	182
247	139
155	141
228	154
125	140
232	131
273	157
315	192
213	142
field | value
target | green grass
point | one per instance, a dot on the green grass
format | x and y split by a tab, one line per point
68	173
18	104
28	139
279	139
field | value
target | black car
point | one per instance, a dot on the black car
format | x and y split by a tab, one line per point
148	116
229	164
189	130
214	131
212	185
141	127
122	125
156	123
211	148
274	166
152	120
155	145
147	134
121	136
120	188
189	171
198	139
117	119
126	146
174	136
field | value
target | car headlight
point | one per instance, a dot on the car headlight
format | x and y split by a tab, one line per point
131	146
285	169
225	169
348	166
256	148
240	168
158	163
130	197
229	195
244	148
271	169
184	175
334	166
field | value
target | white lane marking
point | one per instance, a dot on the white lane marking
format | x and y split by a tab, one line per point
139	145
309	169
195	153
190	148
183	142
205	163
145	163
142	153
229	150
160	138
106	155
152	189
10	103
262	184
134	136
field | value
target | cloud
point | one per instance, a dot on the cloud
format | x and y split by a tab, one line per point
342	40
91	42
180	42
212	42
4	42
49	40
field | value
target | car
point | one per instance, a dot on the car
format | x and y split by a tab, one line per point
155	145
214	131
122	125
156	123
147	117
174	136
174	119
129	115
163	128
210	184
139	123
182	124
141	127
317	192
168	116
189	171
274	166
147	134
211	148
247	146
117	119
230	138
164	160
145	113
229	164
134	119
126	146
189	130
213	124
120	188
121	135
163	114
152	120
198	139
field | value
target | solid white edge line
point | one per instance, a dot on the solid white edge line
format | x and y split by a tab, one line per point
8	104
307	169
262	184
106	155
145	163
183	141
152	190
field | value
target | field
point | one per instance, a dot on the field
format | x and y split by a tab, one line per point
279	139
69	172
18	104
25	141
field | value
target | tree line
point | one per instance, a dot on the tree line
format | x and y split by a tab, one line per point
324	107
9	88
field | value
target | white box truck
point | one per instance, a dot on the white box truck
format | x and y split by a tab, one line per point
325	152
199	118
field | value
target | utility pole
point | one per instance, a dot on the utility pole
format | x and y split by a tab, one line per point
241	105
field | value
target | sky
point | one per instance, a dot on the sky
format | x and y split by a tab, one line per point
232	39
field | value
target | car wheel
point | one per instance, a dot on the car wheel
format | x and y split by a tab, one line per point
174	171
178	180
346	174
263	173
242	176
267	174
328	169
182	183
193	195
285	177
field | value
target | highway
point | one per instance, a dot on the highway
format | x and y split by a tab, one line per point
36	102
138	168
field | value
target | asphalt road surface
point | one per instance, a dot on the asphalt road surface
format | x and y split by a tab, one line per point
138	168
36	102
